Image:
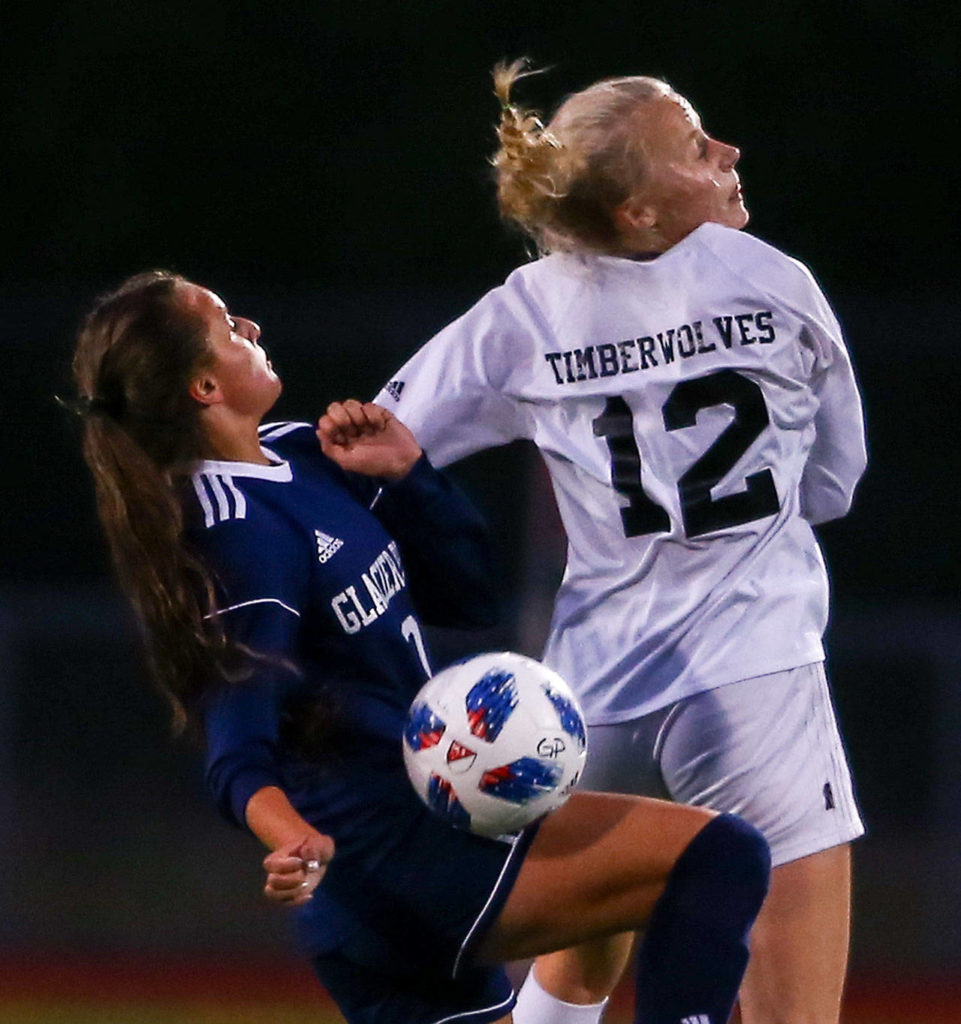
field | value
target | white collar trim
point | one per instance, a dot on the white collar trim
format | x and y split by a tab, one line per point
279	471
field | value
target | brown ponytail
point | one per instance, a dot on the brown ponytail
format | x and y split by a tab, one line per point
136	353
561	182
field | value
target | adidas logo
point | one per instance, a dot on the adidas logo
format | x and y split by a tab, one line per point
327	546
394	389
698	1018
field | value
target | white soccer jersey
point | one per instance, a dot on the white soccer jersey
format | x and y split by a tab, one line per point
697	412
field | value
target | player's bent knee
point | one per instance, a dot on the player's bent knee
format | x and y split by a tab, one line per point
730	859
699	928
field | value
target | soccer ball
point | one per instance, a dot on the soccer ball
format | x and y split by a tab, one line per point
494	742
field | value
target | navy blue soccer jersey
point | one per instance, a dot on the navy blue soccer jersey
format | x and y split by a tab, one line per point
325	576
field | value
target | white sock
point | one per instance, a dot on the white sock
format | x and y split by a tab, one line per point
535	1006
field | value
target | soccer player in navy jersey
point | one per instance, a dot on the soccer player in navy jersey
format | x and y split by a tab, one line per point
281	576
689	389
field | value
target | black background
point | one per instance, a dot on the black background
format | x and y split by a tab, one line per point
337	153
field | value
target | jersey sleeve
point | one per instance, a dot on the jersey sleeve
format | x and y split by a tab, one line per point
838	456
259	584
445	546
452	393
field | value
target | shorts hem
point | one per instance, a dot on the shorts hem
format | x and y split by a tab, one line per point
786	854
497	898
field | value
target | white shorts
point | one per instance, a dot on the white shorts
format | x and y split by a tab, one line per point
767	749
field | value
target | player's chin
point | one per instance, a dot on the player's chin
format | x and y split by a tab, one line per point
733	215
739	215
273	389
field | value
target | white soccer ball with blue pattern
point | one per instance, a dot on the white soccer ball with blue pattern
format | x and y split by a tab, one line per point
495	742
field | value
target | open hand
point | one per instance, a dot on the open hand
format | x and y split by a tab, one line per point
365	438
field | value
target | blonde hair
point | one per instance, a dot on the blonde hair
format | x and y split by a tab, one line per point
561	182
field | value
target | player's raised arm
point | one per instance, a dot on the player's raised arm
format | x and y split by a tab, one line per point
365	438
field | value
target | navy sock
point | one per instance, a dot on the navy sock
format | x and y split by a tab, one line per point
694	953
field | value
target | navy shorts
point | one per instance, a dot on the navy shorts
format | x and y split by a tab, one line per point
406	930
478	995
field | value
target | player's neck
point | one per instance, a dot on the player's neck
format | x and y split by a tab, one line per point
232	440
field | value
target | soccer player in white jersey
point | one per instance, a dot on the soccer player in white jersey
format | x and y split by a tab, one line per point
690	392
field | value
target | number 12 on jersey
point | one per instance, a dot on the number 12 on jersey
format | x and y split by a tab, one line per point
701	513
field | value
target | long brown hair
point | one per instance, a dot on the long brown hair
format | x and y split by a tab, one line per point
136	353
561	182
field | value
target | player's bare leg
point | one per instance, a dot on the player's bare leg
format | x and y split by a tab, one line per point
799	949
596	868
587	973
799	943
605	864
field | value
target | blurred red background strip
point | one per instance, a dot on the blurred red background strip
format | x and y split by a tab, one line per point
168	979
237	979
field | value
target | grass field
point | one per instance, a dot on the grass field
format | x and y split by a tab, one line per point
98	991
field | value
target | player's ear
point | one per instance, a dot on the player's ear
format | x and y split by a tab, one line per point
205	390
635	214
